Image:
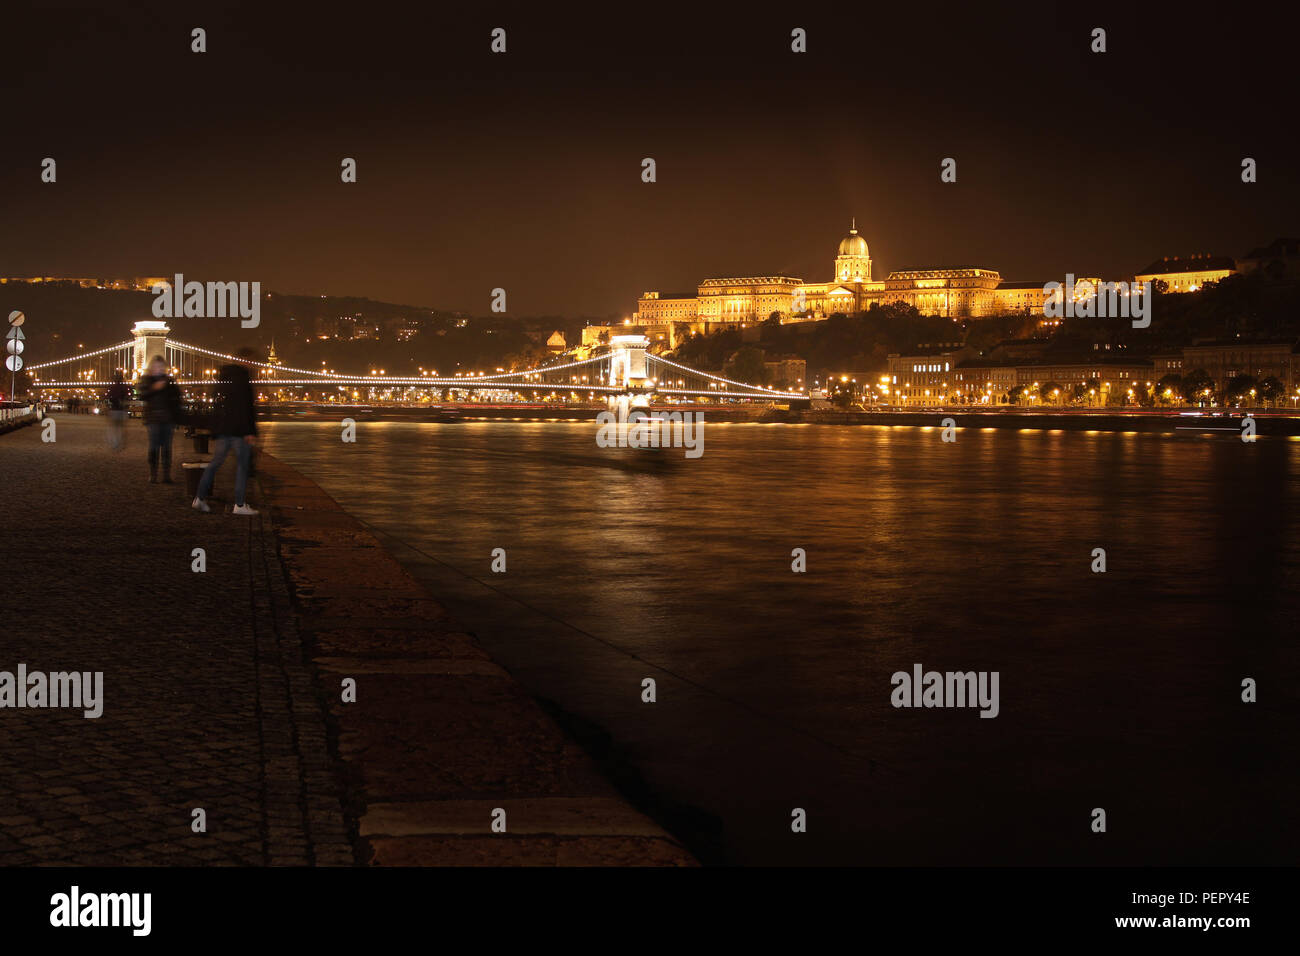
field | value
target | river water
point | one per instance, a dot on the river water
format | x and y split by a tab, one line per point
1118	690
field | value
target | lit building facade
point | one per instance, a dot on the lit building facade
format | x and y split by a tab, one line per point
983	383
744	301
951	375
1113	379
136	284
737	302
1224	361
1023	298
1187	274
924	377
788	373
655	307
1166	363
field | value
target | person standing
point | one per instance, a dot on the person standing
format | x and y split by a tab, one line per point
117	395
160	394
235	427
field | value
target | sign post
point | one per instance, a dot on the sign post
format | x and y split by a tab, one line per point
14	345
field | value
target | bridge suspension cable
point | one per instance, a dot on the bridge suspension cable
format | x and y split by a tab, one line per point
762	390
504	377
82	355
172	344
662	376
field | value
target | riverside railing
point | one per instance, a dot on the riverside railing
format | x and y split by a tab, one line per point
11	414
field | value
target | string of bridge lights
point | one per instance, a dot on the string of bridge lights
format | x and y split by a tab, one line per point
717	378
426	380
520	379
83	355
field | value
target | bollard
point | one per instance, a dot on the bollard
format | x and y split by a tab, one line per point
193	472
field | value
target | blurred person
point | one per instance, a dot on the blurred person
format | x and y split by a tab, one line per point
234	424
161	397
117	395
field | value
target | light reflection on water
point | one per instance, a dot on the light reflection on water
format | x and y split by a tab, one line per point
975	555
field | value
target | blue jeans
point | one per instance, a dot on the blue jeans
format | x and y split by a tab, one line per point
243	457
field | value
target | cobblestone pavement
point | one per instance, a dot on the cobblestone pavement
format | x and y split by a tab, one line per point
207	702
440	742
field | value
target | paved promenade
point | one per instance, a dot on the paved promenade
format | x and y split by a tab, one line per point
214	700
440	742
206	701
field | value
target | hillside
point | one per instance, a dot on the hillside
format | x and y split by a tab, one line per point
349	333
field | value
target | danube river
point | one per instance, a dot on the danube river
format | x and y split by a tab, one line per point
1118	690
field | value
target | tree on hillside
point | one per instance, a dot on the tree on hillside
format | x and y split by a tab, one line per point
747	366
1271	390
1241	388
986	333
1090	391
1169	388
530	356
1198	386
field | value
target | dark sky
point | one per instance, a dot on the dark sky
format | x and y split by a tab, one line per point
523	170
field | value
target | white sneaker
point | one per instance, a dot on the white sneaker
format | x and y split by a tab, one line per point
242	510
198	504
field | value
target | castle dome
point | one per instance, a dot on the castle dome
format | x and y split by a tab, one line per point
853	244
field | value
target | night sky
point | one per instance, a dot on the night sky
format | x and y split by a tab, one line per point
523	170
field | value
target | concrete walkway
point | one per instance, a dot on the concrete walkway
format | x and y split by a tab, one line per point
441	742
213	701
206	701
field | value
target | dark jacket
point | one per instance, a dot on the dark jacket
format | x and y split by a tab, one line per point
159	403
118	394
235	411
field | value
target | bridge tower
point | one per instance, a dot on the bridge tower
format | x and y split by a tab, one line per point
629	371
627	364
150	340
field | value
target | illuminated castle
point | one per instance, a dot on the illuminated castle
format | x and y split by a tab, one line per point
740	301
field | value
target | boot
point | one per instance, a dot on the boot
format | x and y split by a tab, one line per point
153	466
167	465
